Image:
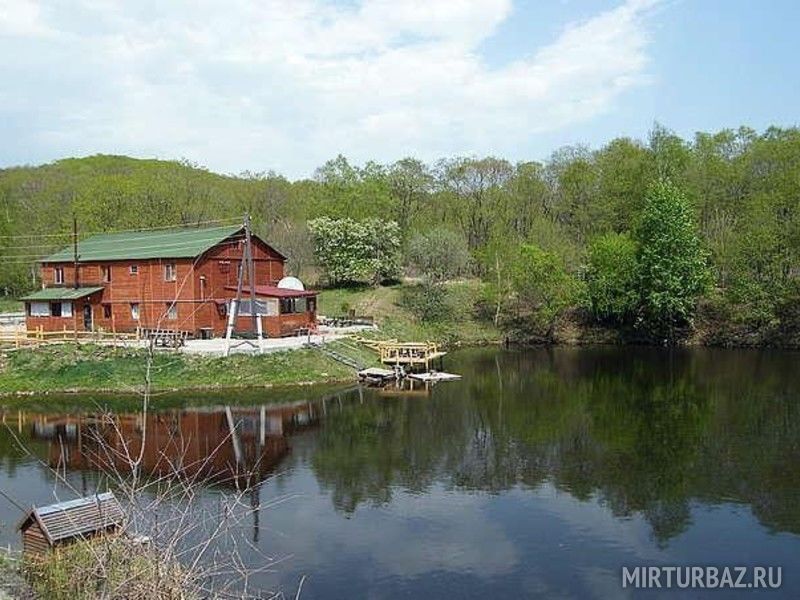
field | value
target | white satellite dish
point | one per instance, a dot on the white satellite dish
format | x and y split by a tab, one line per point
291	283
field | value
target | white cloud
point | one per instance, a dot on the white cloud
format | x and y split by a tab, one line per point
287	84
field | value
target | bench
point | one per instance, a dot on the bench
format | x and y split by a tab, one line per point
165	338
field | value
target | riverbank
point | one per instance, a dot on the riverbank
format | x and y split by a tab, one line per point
68	368
12	583
90	368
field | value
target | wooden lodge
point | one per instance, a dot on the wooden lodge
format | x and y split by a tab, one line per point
181	280
48	527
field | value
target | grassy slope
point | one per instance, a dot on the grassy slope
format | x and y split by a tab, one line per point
88	367
395	321
10	305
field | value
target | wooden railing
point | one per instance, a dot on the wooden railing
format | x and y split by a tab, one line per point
409	353
27	337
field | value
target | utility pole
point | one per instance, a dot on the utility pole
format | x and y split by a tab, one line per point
251	274
245	262
76	279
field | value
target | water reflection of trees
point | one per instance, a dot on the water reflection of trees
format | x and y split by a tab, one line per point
642	431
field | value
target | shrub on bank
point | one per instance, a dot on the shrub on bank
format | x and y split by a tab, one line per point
108	567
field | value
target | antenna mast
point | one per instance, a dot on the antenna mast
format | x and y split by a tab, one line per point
76	280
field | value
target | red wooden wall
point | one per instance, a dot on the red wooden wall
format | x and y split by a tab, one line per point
198	288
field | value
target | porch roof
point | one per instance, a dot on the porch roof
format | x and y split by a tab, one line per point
61	293
271	291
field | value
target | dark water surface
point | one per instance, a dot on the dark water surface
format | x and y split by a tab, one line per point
541	473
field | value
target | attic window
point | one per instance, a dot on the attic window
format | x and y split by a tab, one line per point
170	272
106	270
134	269
59	275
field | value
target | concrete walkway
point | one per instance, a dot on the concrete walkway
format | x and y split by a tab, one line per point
216	347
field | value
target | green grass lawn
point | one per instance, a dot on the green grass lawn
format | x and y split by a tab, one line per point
86	367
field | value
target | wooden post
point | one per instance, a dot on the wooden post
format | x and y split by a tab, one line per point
232	310
259	327
75	278
234	306
251	275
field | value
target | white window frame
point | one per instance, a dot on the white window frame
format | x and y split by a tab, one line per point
105	273
58	275
66	309
171	314
40	309
170	272
265	307
135	314
133	269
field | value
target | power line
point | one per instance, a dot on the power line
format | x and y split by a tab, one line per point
176	246
172	226
26	259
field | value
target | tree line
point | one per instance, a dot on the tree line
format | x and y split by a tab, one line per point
637	233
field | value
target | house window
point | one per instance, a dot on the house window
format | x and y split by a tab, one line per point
59	275
266	307
170	272
66	309
106	311
135	311
224	266
106	270
55	309
39	309
293	305
134	269
172	311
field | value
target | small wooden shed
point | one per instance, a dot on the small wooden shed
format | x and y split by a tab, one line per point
46	527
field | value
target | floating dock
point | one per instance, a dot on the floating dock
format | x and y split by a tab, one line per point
433	376
377	375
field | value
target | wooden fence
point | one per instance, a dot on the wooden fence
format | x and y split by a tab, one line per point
27	337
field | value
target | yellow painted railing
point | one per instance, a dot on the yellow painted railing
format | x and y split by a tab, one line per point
32	337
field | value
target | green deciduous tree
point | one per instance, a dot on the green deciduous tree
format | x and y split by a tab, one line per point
439	254
352	251
612	277
542	286
672	262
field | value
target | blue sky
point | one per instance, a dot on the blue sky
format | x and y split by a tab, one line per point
287	84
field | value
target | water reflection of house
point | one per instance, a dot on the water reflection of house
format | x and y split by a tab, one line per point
233	445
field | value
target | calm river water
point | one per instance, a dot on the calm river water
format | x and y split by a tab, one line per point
541	473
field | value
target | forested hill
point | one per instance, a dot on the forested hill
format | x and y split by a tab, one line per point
743	188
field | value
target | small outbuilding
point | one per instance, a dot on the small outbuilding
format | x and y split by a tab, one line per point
46	527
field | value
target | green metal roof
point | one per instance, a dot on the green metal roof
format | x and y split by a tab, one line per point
137	245
55	293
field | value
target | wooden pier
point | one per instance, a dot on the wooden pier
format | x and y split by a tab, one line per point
409	354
